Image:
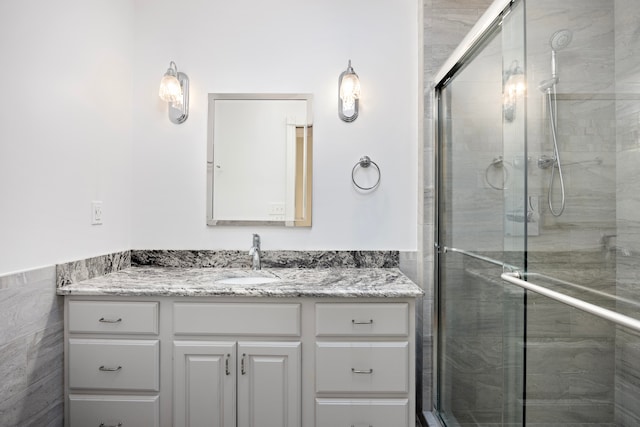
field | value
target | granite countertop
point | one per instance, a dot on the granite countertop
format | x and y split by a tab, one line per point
292	282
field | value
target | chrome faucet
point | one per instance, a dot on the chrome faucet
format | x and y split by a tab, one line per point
255	252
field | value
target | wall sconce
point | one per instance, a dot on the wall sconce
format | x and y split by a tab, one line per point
514	87
348	95
174	89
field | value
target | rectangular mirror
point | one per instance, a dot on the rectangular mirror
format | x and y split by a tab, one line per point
259	159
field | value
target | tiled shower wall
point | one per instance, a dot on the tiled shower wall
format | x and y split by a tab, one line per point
626	243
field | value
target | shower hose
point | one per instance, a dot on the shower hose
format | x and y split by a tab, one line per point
553	124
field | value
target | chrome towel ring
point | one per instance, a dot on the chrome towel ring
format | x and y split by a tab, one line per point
365	162
499	164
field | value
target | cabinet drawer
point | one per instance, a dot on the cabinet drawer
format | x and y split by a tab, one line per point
365	319
236	319
109	317
362	413
362	367
129	411
114	364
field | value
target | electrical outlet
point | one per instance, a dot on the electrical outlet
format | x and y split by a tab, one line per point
96	213
276	209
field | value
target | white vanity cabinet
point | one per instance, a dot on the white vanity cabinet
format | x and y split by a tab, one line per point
262	379
112	356
226	361
364	367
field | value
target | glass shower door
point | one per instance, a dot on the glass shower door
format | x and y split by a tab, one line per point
539	181
482	219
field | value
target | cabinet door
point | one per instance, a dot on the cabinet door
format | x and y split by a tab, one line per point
204	384
269	384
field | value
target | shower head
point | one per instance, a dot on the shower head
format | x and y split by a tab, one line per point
560	39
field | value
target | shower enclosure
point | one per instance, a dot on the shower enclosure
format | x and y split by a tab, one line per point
538	218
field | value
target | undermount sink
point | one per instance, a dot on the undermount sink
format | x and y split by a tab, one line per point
250	280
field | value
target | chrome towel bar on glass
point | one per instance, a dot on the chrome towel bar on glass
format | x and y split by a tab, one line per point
617	318
364	163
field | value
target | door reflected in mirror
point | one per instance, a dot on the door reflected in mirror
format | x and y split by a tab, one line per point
259	159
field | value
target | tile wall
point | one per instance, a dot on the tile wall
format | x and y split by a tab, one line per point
626	243
31	349
31	339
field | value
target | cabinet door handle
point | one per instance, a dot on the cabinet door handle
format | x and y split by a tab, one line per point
226	365
360	371
362	322
242	370
103	320
117	425
106	369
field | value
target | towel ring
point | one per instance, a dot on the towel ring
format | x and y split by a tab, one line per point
497	163
365	162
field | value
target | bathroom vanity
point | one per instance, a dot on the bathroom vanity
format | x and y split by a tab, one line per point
225	347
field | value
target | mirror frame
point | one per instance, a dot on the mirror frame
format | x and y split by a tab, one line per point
307	184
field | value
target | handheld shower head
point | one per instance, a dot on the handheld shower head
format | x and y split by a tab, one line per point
560	39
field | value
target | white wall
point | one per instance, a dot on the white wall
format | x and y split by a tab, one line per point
279	46
65	129
70	132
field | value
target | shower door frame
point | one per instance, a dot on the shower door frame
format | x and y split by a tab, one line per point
486	27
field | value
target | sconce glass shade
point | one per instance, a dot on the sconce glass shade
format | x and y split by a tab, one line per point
174	89
348	94
170	90
515	86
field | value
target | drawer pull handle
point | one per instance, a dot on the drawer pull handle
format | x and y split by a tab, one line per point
103	320
242	370
362	322
226	365
117	425
353	425
105	369
360	371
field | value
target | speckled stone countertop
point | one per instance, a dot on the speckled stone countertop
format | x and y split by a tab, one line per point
292	282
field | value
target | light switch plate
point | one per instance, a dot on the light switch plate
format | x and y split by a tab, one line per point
96	212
